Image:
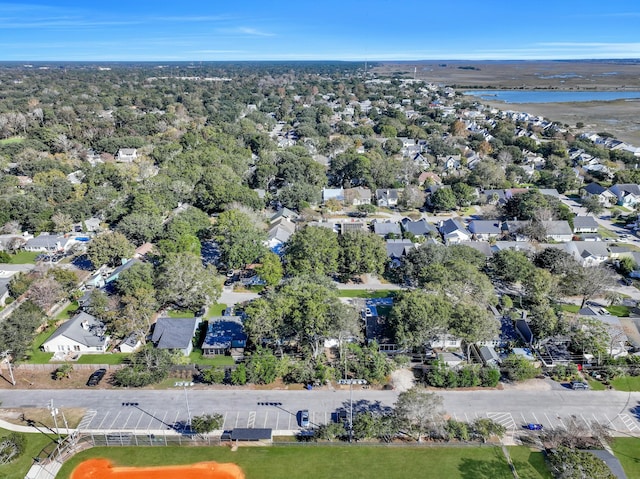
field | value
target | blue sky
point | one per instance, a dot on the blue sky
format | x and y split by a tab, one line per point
317	30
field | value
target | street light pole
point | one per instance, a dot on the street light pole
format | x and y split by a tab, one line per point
186	398
54	413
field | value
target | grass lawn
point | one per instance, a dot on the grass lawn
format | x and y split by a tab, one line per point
173	313
570	308
359	462
606	233
529	463
216	310
67	312
365	293
19	468
626	383
627	450
196	357
113	358
35	355
14	139
24	257
595	385
618	310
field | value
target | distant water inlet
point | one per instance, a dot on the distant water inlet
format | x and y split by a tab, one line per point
103	469
552	96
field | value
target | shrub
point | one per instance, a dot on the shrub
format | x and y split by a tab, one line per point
239	375
213	376
12	447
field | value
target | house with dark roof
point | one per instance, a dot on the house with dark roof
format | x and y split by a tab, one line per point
585	224
83	333
418	228
485	229
453	231
175	333
386	228
398	248
604	196
627	194
387	197
225	334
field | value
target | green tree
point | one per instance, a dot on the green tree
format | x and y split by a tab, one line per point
239	375
569	463
592	205
510	265
586	281
183	280
361	252
109	249
417	317
270	269
517	368
241	241
329	431
472	324
485	428
137	278
312	250
63	371
262	367
206	423
418	412
148	366
443	199
140	228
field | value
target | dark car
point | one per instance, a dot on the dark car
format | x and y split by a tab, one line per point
96	377
533	427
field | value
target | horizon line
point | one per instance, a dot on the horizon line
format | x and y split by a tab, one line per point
332	60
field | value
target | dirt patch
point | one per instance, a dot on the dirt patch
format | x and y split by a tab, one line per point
530	385
103	469
42	416
34	379
402	379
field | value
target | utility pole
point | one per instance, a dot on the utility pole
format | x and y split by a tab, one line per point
54	413
7	359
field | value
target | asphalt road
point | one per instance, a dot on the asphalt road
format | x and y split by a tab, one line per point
107	410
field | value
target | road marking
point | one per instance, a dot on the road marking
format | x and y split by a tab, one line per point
124	426
505	419
562	423
103	419
549	422
266	416
224	420
628	422
535	418
114	420
237	417
164	419
277	419
87	419
586	422
251	421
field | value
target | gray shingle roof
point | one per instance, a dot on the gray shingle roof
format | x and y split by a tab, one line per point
82	328
174	333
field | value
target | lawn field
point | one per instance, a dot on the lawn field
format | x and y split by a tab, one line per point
627	450
340	461
626	383
19	468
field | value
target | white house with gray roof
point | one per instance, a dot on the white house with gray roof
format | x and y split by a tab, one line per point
83	333
175	333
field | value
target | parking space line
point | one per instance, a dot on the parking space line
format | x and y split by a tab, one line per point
124	426
164	418
237	418
138	421
114	420
277	419
549	422
103	420
562	423
224	420
266	416
289	427
535	418
586	422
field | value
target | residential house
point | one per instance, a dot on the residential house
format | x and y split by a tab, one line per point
558	230
284	213
398	248
451	162
175	333
483	247
453	231
386	228
279	233
387	197
48	243
627	195
429	177
354	226
13	242
589	253
357	196
421	161
585	224
485	229
618	339
332	194
225	335
83	333
418	228
130	344
7	271
126	155
115	274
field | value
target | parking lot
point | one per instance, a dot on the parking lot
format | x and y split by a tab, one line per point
277	417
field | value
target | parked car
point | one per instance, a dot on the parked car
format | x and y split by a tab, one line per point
304	418
534	427
579	385
96	377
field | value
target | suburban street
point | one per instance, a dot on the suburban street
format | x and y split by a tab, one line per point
111	410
